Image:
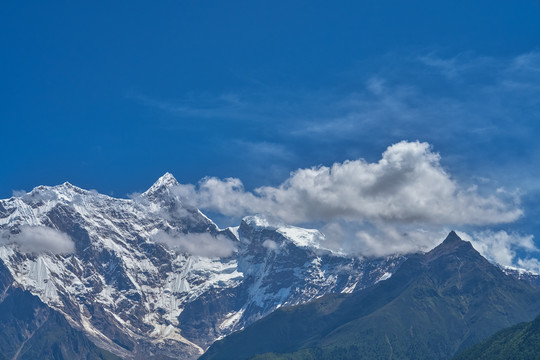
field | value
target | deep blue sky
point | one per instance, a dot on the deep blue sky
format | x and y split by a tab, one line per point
110	95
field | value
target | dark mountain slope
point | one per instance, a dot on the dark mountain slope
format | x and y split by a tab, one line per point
30	330
435	305
519	342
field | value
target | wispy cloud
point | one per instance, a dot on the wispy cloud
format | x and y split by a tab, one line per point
263	149
470	99
18	193
503	248
198	244
446	95
223	106
39	239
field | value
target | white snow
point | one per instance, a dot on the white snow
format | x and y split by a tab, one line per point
231	319
302	237
309	238
162	282
234	231
349	289
384	276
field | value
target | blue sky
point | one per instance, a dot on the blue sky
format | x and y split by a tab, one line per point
111	96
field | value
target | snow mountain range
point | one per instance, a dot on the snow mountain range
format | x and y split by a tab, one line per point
152	278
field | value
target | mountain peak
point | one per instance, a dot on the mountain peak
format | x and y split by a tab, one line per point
165	182
66	188
452	237
453	243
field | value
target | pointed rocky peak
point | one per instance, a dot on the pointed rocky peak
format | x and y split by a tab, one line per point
162	185
452	244
453	239
167	180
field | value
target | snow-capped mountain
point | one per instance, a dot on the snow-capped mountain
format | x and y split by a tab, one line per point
149	277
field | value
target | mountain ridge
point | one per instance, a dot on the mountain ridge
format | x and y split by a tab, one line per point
433	306
138	297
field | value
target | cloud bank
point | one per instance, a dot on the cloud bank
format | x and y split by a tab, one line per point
381	239
407	185
402	203
39	239
198	244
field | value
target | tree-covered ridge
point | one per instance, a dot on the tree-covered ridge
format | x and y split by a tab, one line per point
519	342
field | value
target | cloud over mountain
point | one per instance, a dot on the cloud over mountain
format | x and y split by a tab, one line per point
39	239
198	244
503	247
407	185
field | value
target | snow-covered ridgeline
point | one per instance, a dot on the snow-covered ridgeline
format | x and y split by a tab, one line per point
139	298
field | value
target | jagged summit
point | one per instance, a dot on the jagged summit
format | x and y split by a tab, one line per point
65	190
452	237
67	186
163	185
452	244
165	181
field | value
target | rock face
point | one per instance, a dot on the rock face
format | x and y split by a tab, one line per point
133	292
29	329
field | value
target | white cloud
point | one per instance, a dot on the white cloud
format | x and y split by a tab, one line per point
40	239
391	240
270	244
198	244
19	193
380	238
530	264
406	186
504	248
403	203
